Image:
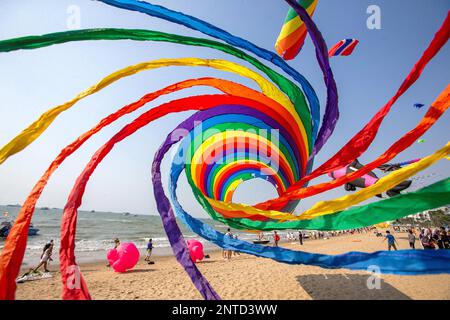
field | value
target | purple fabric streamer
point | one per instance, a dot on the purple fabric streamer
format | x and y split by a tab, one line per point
165	210
173	232
331	115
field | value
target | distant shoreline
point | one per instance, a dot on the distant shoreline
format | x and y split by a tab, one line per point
80	210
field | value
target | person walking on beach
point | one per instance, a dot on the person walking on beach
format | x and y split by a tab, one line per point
411	239
300	237
46	256
228	252
276	238
391	240
149	251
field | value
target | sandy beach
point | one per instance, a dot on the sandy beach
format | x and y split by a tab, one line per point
248	277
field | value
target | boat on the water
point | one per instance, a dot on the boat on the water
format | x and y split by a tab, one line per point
6	226
261	241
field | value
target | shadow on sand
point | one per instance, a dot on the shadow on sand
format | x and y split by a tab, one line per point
347	287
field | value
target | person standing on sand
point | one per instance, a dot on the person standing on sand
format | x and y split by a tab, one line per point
300	237
426	240
149	250
435	236
411	239
116	244
228	252
391	240
444	238
276	238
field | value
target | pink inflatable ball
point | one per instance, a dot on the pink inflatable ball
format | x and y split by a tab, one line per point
197	253
112	256
124	258
195	250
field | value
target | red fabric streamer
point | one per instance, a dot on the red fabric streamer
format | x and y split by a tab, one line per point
362	140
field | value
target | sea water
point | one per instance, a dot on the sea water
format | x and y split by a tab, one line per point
96	232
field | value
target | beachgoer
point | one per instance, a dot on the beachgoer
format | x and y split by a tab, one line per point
46	256
442	240
116	243
149	250
435	236
426	240
445	238
228	252
391	240
411	239
300	237
276	238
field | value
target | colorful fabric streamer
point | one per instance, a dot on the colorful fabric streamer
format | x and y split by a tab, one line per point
343	48
275	135
293	32
437	109
40	125
165	209
359	143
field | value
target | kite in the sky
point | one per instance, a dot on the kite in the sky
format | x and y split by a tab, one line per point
233	145
418	105
343	48
369	178
293	33
421	141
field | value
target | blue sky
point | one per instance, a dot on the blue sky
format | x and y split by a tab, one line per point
35	80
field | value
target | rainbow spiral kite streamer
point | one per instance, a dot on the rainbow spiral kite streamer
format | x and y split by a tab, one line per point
293	32
238	135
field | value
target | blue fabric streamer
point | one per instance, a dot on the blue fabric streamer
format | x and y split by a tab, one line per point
402	262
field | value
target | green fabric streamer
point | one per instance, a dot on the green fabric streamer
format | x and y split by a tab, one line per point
430	197
288	87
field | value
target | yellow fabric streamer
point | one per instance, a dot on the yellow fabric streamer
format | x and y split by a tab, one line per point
28	135
331	206
385	183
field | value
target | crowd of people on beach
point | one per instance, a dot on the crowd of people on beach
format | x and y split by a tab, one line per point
430	239
314	235
437	238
